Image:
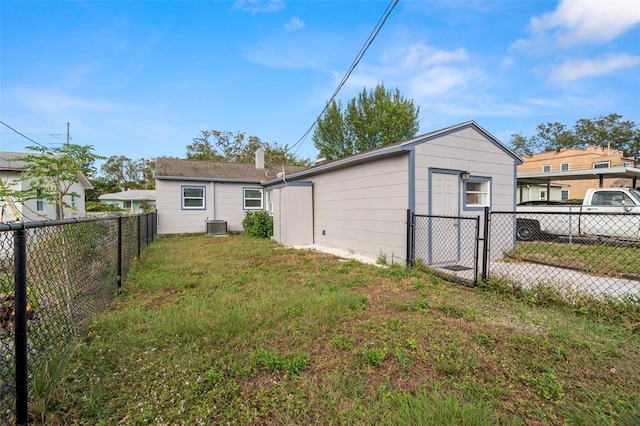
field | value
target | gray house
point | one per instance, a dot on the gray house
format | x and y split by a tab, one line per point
360	203
190	193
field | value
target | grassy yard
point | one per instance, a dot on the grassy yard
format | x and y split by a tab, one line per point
238	331
599	259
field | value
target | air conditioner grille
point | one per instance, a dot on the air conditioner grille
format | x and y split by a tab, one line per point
217	227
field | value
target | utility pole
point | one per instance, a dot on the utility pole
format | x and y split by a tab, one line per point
68	133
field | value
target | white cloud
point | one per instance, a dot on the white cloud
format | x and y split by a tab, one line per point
48	102
294	24
420	55
507	62
259	6
577	69
582	22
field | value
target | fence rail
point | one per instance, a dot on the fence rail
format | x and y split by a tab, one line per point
55	277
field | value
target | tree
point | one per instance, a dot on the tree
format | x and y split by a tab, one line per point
372	119
609	131
128	173
51	172
237	148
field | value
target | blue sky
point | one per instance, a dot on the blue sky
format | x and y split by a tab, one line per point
142	79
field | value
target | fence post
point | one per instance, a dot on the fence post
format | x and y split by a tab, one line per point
485	245
410	238
476	253
119	252
20	312
139	234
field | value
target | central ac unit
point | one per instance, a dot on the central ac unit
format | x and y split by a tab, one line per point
216	227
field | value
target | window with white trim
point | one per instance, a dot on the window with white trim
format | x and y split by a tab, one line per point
476	193
564	194
564	167
252	198
193	197
39	201
546	168
601	165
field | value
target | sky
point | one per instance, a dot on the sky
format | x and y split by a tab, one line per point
143	78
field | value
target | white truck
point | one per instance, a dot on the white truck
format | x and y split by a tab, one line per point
605	212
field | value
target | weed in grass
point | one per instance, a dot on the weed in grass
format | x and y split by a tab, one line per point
46	381
375	356
395	324
546	385
403	358
449	364
420	305
483	339
343	342
273	361
453	311
412	344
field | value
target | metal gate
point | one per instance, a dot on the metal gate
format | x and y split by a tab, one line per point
448	245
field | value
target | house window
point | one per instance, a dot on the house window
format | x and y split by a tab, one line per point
270	201
476	193
39	202
627	164
126	204
193	197
564	167
73	201
564	194
252	198
546	168
543	194
601	165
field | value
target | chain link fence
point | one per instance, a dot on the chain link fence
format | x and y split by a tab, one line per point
55	278
447	245
573	254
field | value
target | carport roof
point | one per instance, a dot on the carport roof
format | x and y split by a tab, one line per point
600	174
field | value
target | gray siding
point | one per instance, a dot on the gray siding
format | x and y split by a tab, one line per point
468	150
223	201
363	208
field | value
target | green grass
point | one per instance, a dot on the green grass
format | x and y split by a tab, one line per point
242	331
598	259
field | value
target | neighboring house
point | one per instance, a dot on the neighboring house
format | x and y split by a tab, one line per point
535	192
361	203
189	193
574	160
132	201
37	209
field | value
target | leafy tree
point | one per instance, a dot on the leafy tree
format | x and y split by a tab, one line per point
215	145
128	173
604	131
51	172
375	118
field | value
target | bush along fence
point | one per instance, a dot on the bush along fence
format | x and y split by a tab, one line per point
573	257
55	278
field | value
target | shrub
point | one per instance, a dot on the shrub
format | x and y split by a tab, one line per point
258	224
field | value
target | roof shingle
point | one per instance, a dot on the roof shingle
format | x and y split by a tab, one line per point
180	168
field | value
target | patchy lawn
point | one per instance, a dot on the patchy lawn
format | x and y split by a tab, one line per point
241	331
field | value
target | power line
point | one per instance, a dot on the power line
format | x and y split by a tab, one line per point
21	134
372	36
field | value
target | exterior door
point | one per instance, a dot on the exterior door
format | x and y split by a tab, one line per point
445	232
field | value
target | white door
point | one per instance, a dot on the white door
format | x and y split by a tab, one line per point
445	238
